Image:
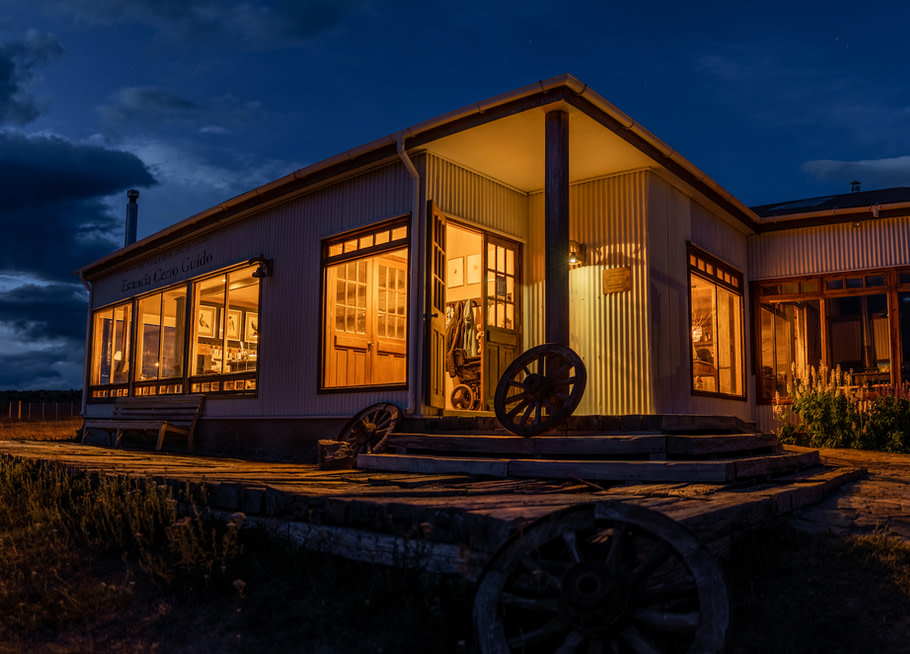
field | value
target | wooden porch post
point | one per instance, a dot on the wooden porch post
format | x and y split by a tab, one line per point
556	191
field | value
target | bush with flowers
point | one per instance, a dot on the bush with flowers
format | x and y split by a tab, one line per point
827	409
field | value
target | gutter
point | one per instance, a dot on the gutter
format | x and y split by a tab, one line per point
414	377
833	216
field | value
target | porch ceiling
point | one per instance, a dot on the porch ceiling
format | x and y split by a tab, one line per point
512	149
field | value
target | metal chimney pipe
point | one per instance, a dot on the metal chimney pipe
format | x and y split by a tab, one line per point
132	217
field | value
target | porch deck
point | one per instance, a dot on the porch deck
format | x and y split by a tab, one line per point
449	523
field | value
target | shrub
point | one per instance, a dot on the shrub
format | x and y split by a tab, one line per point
827	410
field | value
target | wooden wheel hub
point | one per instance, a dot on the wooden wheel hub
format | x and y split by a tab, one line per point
595	600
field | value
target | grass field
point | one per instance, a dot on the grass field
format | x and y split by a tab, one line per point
106	566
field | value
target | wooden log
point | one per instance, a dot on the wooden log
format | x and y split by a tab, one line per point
335	455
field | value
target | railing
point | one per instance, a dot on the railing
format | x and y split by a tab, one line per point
24	411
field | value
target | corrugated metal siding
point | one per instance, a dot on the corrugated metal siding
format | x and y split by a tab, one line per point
830	248
290	302
468	195
673	219
610	332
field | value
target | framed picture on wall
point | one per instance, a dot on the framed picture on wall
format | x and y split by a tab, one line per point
234	318
455	276
205	323
251	327
474	272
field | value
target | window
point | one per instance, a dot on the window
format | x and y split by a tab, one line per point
366	307
225	328
156	345
161	325
111	351
716	320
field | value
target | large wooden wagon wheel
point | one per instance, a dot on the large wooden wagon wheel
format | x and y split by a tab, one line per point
540	389
368	431
610	578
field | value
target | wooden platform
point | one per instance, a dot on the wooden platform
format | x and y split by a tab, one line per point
450	523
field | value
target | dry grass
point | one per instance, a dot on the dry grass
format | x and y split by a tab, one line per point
40	430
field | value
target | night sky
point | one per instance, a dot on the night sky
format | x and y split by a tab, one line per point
196	101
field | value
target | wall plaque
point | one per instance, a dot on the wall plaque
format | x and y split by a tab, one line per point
617	280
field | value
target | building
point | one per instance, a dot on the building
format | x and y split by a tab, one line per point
296	305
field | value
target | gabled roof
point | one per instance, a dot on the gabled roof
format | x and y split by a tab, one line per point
831	203
502	136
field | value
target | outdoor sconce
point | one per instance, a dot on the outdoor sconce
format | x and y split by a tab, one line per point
576	253
264	269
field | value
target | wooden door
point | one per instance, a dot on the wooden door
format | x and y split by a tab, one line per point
502	311
368	322
436	307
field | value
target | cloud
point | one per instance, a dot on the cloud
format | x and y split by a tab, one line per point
258	24
55	219
19	61
873	173
147	107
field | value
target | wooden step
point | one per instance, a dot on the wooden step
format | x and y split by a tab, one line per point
716	471
585	445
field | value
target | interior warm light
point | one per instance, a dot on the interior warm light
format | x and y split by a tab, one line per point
576	253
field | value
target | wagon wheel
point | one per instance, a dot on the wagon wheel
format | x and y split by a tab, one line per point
540	389
368	431
604	578
462	397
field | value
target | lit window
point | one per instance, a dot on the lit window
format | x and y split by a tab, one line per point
161	325
366	308
225	328
716	324
111	350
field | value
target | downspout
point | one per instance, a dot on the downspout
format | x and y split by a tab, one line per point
88	336
414	377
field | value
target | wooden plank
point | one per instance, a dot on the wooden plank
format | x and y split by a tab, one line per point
700	445
622	445
433	464
700	471
775	464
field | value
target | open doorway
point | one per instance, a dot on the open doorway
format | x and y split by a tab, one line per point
482	313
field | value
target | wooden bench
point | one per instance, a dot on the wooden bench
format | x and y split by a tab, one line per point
177	414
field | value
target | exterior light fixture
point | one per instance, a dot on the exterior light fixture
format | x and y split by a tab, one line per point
264	269
576	253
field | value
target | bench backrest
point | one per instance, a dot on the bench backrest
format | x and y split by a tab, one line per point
182	410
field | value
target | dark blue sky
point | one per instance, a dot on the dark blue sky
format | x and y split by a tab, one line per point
196	101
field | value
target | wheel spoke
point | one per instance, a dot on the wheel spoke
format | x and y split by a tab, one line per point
536	571
617	546
571	541
573	641
518	407
513	398
680	623
541	604
524	639
637	641
527	413
658	555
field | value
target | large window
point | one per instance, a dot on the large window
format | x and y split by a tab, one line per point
200	337
716	319
366	307
845	321
111	350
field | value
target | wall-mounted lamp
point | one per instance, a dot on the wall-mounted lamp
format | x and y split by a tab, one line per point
576	253
264	268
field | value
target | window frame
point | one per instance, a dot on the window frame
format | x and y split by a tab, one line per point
186	383
330	256
712	270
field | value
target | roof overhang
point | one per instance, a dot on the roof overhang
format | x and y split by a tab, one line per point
503	137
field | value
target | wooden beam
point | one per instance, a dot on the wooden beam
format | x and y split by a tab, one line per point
557	227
